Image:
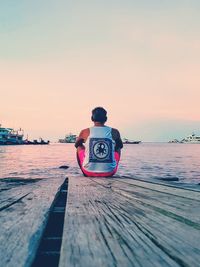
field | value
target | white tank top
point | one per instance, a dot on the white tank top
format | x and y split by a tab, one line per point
99	150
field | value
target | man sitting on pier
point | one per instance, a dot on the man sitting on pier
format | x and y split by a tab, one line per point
99	147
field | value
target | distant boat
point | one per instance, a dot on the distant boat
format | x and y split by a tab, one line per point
174	141
9	136
69	138
127	141
36	142
191	139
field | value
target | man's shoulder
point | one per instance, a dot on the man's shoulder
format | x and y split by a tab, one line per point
114	130
84	133
85	130
115	133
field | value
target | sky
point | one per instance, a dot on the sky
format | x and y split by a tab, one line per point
138	59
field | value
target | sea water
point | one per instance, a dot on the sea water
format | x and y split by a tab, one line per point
147	161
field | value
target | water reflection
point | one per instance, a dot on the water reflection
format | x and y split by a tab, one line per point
143	161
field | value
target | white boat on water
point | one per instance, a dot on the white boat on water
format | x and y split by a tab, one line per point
191	139
69	138
127	141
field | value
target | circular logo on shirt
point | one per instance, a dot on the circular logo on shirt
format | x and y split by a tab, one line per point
101	150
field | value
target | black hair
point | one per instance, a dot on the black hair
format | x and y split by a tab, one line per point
99	114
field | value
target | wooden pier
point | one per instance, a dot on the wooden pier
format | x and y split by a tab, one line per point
108	222
25	206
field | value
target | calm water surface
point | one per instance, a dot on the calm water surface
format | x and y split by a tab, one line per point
143	161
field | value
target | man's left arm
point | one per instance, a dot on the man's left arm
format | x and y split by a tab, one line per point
118	140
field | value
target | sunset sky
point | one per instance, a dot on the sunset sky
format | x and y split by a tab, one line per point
138	59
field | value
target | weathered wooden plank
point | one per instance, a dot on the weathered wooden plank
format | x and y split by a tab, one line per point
161	198
13	190
166	188
108	227
23	217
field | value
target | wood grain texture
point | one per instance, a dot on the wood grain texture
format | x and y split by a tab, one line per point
122	222
24	209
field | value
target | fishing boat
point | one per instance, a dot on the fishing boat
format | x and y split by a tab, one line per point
9	136
174	141
36	142
191	139
69	138
127	141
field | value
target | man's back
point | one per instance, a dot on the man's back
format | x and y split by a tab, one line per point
98	147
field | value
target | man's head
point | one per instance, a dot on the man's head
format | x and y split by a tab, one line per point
99	115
